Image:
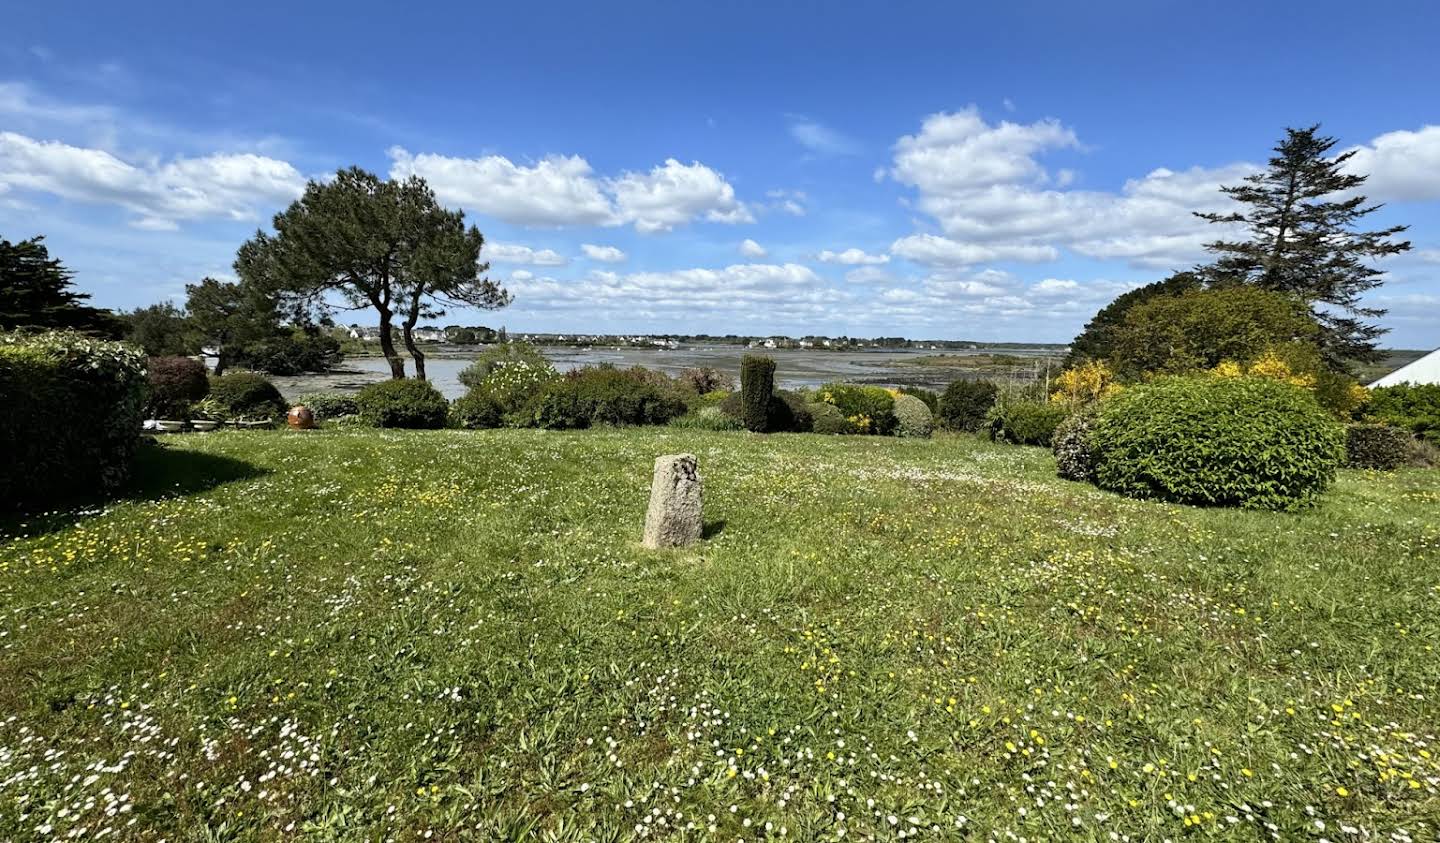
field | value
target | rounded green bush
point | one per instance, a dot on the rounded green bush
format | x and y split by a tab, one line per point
175	383
1376	446
476	410
1247	442
405	403
913	417
964	404
827	418
870	408
328	406
246	395
1074	458
1025	422
605	395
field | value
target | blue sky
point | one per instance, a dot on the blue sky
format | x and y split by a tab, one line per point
987	171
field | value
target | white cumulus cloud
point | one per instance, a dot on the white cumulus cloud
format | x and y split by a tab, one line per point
515	253
674	193
750	249
604	254
852	257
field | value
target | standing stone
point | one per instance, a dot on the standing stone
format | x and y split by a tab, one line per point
674	519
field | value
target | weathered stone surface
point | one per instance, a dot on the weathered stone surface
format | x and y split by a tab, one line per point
675	516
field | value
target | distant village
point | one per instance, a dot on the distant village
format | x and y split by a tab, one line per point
479	334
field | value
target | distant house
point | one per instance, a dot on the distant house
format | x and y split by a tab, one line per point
1426	370
428	334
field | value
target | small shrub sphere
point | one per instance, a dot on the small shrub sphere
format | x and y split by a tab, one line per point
404	403
1376	446
476	410
964	404
827	418
246	395
1246	442
328	406
913	418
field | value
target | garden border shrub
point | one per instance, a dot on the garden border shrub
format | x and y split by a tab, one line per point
1024	422
913	418
247	395
70	421
407	403
757	385
965	403
328	406
175	383
1074	457
1376	446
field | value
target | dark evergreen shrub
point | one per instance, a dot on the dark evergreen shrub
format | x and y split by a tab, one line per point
870	408
913	418
175	383
788	411
964	404
1376	446
476	410
1248	442
245	395
827	418
1025	422
757	383
1074	459
403	403
328	406
69	419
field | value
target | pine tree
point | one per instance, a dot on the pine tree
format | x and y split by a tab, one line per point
1301	213
36	291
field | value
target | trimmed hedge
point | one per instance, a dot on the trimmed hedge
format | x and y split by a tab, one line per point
1025	422
403	403
913	418
476	410
964	404
1248	442
1376	446
328	406
605	395
175	383
870	408
1074	458
246	395
757	384
70	421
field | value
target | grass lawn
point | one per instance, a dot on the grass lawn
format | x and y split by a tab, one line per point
360	635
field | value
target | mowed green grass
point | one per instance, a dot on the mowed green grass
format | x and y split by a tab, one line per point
361	635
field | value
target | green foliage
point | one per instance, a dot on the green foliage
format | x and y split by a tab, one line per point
499	356
1414	407
1097	340
1197	329
827	419
162	330
870	408
705	379
289	353
404	403
929	396
788	412
70	417
247	396
476	410
1074	458
913	418
328	406
1376	446
707	418
604	395
1250	442
230	316
757	384
36	294
965	403
174	384
1024	422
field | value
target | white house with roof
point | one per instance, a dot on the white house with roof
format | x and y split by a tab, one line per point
1426	370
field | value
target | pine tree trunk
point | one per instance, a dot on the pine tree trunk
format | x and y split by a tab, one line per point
387	347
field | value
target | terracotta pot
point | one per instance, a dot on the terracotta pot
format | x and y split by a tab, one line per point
300	417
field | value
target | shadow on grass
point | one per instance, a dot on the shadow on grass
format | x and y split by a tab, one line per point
712	529
160	472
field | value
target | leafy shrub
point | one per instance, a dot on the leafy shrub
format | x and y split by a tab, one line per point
499	356
1084	384
246	395
870	408
1074	458
175	383
757	384
1413	407
929	396
705	379
404	403
707	418
1025	422
70	418
1300	364
713	399
289	354
964	404
604	395
328	406
913	418
1249	442
476	410
787	412
827	418
1376	446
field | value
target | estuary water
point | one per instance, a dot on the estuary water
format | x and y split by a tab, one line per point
794	368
